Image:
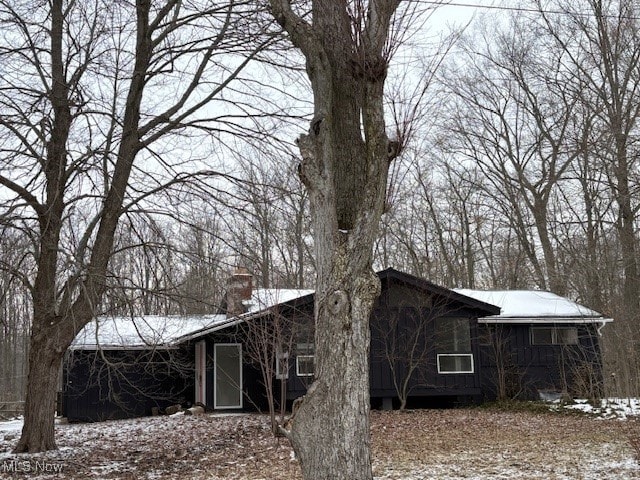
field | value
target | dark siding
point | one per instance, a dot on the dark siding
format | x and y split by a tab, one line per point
128	384
529	369
400	311
254	397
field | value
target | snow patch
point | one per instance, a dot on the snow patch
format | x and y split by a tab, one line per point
607	408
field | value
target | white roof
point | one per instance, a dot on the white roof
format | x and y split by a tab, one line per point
263	298
533	306
517	306
165	331
140	332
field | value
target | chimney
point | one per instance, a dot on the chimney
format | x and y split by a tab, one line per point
238	290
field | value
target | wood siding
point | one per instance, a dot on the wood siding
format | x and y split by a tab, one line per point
116	384
529	369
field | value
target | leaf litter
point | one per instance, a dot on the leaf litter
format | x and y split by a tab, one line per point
417	444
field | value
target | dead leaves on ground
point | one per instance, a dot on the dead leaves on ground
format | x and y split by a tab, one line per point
446	444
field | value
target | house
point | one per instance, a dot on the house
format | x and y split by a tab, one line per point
429	345
540	344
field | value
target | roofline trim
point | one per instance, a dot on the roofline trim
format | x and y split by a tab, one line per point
544	320
93	346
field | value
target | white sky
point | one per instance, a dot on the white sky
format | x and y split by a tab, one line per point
454	14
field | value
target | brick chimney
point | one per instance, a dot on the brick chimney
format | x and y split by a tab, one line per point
239	289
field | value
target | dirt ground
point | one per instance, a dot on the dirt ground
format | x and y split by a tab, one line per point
419	444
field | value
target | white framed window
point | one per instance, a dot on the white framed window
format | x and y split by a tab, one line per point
282	364
554	336
453	345
455	363
305	360
305	365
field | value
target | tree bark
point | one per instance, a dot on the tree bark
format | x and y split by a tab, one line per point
52	333
345	159
46	351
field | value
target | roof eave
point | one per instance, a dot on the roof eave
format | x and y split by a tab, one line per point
544	320
95	347
474	303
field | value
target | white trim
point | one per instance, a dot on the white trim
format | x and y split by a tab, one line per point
306	357
215	376
470	355
201	372
544	320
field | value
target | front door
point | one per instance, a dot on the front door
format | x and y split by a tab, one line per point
201	372
228	375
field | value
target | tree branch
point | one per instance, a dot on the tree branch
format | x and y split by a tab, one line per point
23	193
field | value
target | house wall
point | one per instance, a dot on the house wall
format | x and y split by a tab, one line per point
400	311
387	361
509	358
252	384
115	384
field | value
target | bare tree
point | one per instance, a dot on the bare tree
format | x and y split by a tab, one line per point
602	49
405	340
499	366
84	129
270	228
269	344
605	53
15	313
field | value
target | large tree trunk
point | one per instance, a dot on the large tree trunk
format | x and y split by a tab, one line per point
44	355
345	160
330	431
52	332
44	364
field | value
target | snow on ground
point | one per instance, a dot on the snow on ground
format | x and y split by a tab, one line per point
469	444
606	408
9	426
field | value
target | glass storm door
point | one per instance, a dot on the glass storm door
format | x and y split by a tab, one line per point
201	372
228	375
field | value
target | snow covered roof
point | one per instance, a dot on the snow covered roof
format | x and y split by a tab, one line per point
141	332
167	331
517	306
263	298
533	306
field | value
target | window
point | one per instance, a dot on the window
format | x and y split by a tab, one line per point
305	359
455	363
453	335
554	336
282	364
453	345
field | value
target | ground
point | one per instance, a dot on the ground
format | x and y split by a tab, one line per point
479	443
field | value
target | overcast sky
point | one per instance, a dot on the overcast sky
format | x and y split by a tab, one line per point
456	13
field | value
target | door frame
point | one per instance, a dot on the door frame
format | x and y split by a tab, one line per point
201	372
215	376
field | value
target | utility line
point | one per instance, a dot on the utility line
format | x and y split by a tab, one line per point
524	9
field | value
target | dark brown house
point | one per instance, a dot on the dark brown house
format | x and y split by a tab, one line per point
429	346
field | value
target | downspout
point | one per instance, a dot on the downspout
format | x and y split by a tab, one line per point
599	329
